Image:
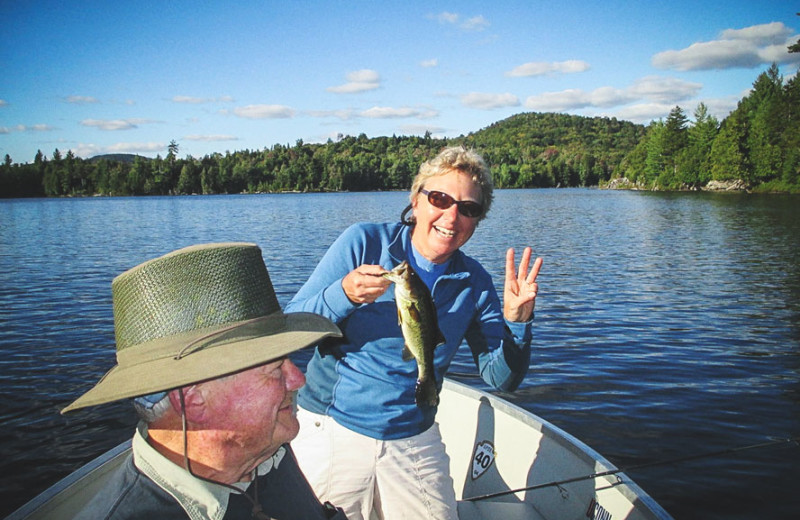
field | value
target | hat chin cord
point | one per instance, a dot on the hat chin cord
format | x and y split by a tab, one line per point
257	512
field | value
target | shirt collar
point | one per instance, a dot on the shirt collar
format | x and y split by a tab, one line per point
200	499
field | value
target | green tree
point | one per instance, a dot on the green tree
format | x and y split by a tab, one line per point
764	109
172	151
52	175
655	160
790	174
138	177
189	179
701	136
673	144
728	153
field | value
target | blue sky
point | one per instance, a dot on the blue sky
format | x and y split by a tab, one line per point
128	77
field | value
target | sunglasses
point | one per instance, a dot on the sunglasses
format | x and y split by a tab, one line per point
442	200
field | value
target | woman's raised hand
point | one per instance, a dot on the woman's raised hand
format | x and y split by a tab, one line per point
520	288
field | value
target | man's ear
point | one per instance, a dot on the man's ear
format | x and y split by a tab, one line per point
194	403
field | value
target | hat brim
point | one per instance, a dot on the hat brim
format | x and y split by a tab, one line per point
169	364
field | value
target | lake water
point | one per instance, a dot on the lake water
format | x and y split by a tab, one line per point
667	324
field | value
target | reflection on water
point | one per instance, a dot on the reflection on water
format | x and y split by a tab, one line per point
667	324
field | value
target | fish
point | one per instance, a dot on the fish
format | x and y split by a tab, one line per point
416	315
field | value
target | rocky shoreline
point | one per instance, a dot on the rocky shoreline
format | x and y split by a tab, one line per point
623	183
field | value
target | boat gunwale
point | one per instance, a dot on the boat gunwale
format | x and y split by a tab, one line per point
630	489
50	496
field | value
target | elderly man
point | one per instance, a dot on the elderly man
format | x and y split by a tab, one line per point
202	348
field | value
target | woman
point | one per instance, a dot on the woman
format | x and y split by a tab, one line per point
364	442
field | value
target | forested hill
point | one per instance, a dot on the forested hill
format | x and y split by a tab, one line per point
116	157
525	150
757	145
543	150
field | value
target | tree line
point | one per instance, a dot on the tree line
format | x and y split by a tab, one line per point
758	144
527	150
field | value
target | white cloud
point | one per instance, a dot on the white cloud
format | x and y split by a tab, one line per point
136	147
664	90
90	150
564	100
358	81
541	68
3	103
81	100
26	128
429	63
264	112
610	97
198	101
764	34
475	23
109	124
394	113
486	101
116	124
446	17
652	89
344	115
210	138
749	47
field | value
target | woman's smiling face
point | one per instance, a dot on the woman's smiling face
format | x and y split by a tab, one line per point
438	233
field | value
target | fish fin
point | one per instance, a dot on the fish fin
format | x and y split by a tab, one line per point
426	394
413	313
440	339
407	355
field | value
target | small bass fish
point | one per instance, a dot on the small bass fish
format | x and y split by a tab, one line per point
417	317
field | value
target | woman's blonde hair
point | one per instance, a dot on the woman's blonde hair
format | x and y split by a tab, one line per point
457	158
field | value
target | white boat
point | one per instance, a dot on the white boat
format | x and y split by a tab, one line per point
495	448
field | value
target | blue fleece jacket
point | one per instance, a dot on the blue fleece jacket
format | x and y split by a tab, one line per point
361	380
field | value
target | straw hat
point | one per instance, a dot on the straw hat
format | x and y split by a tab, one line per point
198	313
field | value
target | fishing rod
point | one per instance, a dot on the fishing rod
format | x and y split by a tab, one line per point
775	442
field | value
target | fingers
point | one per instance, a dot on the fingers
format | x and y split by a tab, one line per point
522	276
511	273
372	270
537	265
365	284
524	263
521	288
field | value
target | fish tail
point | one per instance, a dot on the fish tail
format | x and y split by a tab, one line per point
426	393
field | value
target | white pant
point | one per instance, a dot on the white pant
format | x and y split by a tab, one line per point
399	479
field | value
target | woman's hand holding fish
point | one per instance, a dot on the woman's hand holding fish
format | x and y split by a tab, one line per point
519	293
365	283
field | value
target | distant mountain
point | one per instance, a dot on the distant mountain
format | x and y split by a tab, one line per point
538	131
546	149
128	158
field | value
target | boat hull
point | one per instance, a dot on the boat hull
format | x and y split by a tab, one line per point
493	445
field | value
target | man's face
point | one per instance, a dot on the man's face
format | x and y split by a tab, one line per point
254	411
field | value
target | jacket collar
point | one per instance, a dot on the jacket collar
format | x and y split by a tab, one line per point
400	248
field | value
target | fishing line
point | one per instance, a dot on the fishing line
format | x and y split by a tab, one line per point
776	442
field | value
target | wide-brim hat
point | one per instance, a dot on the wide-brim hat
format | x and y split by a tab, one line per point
196	314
